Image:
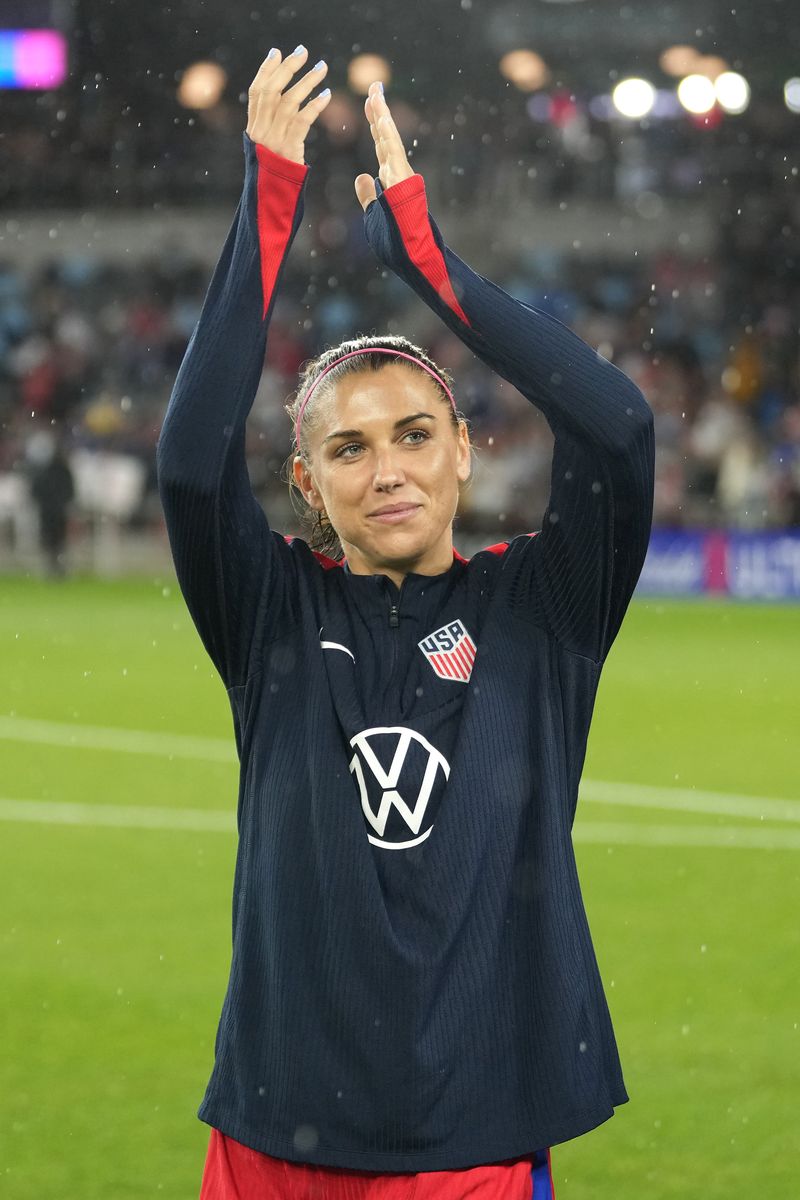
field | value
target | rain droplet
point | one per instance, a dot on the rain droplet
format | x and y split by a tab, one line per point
305	1137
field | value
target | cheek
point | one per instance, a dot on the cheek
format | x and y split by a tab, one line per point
444	468
342	489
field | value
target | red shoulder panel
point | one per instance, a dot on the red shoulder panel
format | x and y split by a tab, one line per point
501	547
322	559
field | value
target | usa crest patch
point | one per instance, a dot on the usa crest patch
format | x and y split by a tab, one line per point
450	651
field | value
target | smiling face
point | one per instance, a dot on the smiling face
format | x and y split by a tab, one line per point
381	439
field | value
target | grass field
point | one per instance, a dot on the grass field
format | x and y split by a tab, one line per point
115	918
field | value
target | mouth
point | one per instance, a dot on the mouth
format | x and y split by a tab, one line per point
392	516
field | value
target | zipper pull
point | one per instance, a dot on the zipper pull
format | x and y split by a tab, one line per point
394	620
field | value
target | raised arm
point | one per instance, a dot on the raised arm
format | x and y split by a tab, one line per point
237	576
577	575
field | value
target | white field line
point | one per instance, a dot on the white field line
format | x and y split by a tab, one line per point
743	837
723	804
194	820
63	812
223	750
119	741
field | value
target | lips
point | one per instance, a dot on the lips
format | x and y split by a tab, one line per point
395	513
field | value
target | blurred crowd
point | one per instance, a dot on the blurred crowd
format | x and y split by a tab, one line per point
92	149
89	351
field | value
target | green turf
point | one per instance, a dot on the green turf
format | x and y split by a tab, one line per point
115	942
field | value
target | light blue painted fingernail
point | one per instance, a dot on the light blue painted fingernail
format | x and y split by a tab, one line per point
298	49
318	66
272	53
380	85
324	92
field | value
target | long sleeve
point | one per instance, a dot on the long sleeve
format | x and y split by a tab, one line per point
237	576
577	575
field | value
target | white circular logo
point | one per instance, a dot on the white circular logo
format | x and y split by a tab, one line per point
384	794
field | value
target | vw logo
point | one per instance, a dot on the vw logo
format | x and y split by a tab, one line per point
394	798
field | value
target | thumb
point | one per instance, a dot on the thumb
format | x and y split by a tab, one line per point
365	190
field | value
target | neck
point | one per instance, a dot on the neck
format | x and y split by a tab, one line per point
427	564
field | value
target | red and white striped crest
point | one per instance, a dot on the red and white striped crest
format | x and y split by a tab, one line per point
450	651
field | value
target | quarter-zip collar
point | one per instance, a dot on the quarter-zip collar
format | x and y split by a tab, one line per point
382	595
458	561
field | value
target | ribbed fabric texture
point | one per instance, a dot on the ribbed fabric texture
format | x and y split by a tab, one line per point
413	985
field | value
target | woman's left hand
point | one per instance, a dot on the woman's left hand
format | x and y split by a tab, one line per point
393	165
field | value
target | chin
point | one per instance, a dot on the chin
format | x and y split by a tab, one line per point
400	545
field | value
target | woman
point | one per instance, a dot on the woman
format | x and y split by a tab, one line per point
414	1007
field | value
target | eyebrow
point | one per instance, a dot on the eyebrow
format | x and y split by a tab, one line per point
340	433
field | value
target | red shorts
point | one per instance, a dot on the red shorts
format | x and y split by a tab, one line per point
235	1172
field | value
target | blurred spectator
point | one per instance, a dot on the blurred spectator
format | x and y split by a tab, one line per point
52	488
92	348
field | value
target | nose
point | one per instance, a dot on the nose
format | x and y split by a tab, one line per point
388	472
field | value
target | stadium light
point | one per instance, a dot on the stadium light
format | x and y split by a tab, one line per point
634	98
710	65
202	85
678	60
364	69
525	69
696	94
791	94
32	58
733	91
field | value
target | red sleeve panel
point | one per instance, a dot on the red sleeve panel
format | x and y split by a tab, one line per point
410	211
279	183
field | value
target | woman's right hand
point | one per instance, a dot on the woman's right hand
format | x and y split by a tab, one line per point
274	116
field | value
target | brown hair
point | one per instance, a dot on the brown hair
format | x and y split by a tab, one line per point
322	535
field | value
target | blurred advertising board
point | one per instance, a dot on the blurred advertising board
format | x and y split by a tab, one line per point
748	565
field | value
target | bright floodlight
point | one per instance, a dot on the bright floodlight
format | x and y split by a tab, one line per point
525	69
634	97
364	69
710	65
791	94
678	60
202	85
733	91
696	94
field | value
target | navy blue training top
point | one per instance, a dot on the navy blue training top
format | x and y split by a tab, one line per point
413	985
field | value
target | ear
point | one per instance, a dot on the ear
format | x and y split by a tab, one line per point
464	462
305	481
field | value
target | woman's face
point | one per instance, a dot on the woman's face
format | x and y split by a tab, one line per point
367	453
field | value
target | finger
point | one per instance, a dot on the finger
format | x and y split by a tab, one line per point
276	72
384	131
373	126
270	80
278	78
371	104
381	145
306	85
268	65
365	190
309	113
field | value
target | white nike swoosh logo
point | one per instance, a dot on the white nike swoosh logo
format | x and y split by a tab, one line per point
337	646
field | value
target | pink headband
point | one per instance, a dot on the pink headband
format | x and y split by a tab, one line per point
367	350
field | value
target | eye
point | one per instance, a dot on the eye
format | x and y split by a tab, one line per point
423	433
